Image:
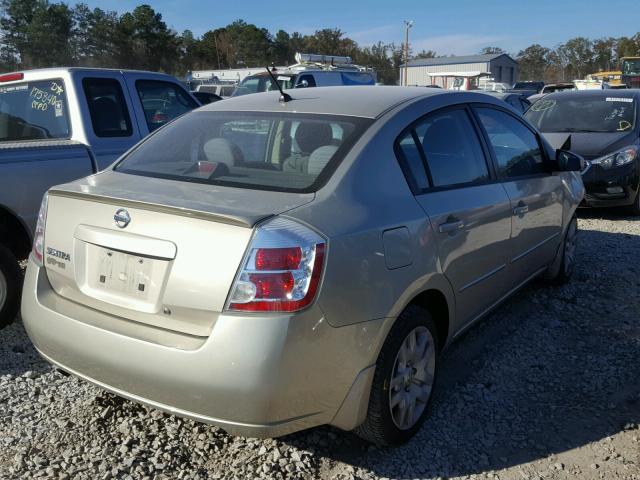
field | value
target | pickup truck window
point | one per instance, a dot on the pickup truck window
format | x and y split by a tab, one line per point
162	102
34	111
109	114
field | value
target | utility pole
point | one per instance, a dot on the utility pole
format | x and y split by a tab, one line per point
407	25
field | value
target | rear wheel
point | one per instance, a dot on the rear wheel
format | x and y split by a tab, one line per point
403	380
10	286
569	249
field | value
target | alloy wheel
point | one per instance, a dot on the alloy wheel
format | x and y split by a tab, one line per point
570	247
3	290
412	378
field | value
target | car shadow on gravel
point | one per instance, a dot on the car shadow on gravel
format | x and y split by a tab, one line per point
610	213
17	354
553	369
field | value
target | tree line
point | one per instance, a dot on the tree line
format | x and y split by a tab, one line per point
41	33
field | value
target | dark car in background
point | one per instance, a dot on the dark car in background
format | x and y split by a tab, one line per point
551	88
604	127
527	88
516	100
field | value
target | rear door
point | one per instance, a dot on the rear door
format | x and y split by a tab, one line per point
467	207
536	195
110	125
157	100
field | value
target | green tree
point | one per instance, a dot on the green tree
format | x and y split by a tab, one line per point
579	55
144	41
604	54
425	54
491	51
330	41
533	62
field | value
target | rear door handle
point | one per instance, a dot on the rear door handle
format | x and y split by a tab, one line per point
521	209
451	226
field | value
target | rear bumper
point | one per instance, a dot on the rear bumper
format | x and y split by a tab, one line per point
253	376
614	187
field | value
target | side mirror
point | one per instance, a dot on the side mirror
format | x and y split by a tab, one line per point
570	162
303	84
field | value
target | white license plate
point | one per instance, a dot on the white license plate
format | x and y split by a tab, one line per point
122	272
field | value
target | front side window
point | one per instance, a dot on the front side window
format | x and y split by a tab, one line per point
452	149
162	102
107	107
515	147
34	111
269	151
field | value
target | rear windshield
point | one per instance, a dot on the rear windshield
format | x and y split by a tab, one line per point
34	111
583	114
266	151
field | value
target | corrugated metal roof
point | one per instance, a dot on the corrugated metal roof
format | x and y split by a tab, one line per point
423	62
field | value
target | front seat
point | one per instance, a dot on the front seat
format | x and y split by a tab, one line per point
309	137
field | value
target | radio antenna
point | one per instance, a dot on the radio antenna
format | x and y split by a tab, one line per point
284	97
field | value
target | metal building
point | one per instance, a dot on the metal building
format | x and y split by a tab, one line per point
501	66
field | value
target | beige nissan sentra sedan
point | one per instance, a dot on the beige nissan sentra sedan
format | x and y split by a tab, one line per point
268	266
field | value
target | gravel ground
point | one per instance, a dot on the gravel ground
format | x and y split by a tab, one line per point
544	388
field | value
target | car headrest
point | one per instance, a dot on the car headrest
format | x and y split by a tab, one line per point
221	150
319	158
312	135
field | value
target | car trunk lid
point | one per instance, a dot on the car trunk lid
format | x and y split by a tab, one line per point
172	264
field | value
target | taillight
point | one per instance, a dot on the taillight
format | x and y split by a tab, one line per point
38	237
11	77
281	271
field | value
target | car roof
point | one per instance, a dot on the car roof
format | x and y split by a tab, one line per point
356	101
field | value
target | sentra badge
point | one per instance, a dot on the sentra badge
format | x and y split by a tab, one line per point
53	255
58	254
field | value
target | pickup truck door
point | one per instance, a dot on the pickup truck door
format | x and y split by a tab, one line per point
110	127
157	100
536	194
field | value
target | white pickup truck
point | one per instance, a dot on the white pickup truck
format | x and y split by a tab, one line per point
60	124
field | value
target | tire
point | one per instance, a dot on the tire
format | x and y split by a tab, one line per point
10	286
569	246
384	424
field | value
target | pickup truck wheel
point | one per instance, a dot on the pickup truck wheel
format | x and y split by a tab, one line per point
10	286
403	380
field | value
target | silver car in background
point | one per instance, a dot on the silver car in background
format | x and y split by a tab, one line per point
269	266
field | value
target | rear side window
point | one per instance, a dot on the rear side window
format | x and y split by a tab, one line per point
286	152
162	102
34	111
107	107
515	147
411	159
